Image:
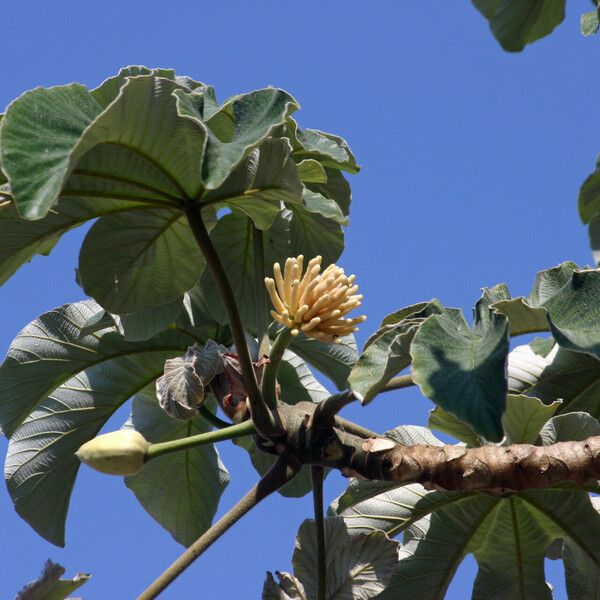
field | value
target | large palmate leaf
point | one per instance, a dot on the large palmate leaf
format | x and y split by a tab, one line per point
358	566
516	23
387	351
524	417
138	259
463	369
181	490
58	386
508	536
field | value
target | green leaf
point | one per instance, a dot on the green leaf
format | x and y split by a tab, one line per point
255	116
297	230
581	572
574	312
311	171
144	118
297	382
443	421
410	435
590	22
335	360
145	323
181	490
463	369
326	207
139	259
52	349
516	23
528	315
258	185
524	417
39	132
50	586
387	351
572	377
525	367
336	189
358	566
330	150
21	240
287	588
577	426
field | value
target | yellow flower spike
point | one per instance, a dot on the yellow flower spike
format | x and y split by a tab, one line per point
314	301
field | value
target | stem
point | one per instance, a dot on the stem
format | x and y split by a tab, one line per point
262	319
316	473
278	475
397	383
284	337
218	435
260	413
212	418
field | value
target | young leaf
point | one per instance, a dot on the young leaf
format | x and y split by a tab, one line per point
181	491
524	417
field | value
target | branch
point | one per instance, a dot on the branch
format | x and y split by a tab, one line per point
260	413
317	474
218	435
278	475
497	469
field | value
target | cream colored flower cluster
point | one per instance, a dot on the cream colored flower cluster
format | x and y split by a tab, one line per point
315	303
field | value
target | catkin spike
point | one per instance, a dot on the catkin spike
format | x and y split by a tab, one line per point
313	301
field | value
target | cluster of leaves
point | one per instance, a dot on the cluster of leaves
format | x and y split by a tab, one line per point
132	154
541	393
135	154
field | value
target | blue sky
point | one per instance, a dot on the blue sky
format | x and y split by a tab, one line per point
472	159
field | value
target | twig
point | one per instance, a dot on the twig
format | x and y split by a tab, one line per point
263	419
278	475
317	474
218	435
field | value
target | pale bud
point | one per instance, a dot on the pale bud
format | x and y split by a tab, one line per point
116	453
